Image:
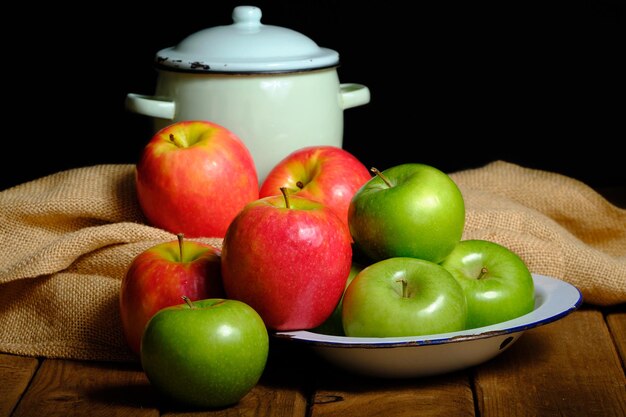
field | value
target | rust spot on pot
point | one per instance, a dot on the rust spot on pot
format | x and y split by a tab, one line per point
195	65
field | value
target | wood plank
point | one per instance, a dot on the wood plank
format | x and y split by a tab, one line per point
566	368
344	394
617	326
64	387
15	375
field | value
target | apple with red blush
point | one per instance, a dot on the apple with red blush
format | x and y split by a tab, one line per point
328	174
288	257
159	276
182	174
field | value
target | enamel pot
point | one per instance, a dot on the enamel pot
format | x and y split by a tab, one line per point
273	87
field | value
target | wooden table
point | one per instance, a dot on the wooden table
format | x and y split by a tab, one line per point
571	367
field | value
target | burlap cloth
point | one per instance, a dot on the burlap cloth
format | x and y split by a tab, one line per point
68	238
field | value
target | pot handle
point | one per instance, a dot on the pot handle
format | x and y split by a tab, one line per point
151	106
353	95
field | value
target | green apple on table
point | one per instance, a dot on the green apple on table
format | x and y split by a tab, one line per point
158	276
288	257
328	174
193	177
403	296
497	283
206	354
409	210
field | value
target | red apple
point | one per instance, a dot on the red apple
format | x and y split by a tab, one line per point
288	257
327	174
158	278
182	174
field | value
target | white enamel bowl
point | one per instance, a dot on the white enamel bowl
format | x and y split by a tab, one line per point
403	357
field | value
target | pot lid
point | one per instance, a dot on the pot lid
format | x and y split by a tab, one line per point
246	46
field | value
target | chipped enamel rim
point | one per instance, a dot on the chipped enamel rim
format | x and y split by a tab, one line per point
554	299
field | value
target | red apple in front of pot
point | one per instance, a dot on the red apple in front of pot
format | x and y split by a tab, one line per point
183	173
288	257
159	276
327	174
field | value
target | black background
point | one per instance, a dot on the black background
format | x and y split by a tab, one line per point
455	86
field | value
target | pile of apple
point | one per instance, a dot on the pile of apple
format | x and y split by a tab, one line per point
322	244
419	277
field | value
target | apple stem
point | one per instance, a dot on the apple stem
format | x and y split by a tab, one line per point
180	236
284	191
483	272
382	177
177	141
180	141
405	292
188	301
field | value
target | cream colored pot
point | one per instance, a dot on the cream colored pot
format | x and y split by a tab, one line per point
273	87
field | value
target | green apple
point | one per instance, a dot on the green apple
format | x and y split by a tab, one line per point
497	283
403	296
207	353
333	325
409	210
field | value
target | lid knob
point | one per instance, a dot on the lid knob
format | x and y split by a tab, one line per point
247	15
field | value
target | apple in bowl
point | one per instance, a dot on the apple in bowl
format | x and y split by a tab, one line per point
497	283
403	296
409	210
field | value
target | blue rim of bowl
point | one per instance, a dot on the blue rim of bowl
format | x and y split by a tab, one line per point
548	310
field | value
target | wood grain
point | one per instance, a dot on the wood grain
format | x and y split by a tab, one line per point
347	395
15	374
261	401
617	326
64	388
566	368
